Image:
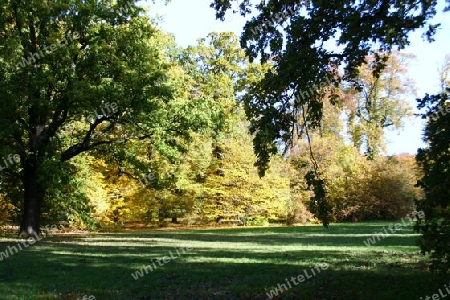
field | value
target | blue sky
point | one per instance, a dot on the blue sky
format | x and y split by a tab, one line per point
190	20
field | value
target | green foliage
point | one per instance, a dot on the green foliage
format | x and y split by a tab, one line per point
182	185
298	40
319	204
178	118
67	200
434	161
109	82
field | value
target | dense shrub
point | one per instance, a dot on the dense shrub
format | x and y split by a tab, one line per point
359	189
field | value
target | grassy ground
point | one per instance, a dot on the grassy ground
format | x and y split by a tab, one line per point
240	263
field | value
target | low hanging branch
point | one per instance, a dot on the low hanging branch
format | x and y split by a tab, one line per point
318	203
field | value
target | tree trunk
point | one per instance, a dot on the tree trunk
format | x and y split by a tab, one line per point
161	216
33	197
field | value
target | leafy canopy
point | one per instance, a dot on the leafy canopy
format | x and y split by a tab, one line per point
308	41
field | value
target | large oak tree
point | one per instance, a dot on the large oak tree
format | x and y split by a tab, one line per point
94	69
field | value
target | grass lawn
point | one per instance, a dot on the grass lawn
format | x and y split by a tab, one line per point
236	263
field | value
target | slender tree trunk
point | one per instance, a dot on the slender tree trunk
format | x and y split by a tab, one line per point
33	197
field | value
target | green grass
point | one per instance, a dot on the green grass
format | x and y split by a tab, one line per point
241	263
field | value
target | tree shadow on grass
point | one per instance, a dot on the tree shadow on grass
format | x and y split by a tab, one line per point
228	265
85	272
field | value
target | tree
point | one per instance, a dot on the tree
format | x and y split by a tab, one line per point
217	69
379	103
233	188
213	73
298	38
96	69
219	72
434	161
